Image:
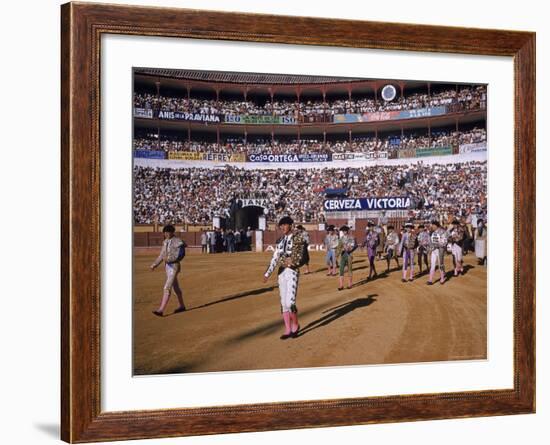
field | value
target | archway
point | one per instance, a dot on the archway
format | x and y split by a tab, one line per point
247	217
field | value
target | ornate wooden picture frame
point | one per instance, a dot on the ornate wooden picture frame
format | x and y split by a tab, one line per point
82	26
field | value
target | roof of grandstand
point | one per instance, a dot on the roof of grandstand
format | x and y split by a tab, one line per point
232	77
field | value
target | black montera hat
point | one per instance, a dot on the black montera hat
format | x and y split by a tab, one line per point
169	228
344	228
330	228
286	220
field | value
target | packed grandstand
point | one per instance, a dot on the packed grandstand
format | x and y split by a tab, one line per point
204	141
436	191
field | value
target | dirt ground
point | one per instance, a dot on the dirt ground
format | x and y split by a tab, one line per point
233	320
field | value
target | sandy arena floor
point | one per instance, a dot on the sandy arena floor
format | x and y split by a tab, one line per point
234	321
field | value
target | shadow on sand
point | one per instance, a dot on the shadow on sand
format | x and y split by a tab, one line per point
338	312
247	293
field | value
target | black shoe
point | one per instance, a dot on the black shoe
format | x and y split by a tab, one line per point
180	309
429	283
340	288
158	313
403	280
285	336
295	333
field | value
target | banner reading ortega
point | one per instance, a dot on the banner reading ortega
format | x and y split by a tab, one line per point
386	203
302	157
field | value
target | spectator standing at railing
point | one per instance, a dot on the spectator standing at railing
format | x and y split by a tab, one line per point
230	241
204	242
249	234
212	236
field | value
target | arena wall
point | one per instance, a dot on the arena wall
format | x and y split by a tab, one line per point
193	238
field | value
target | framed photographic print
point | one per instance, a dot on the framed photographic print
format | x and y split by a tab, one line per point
285	222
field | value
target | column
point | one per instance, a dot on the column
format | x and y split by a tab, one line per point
158	137
325	115
298	93
156	108
271	94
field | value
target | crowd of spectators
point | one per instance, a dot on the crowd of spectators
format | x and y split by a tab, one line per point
466	98
196	195
391	144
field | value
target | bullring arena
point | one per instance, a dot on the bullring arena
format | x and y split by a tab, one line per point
233	321
220	158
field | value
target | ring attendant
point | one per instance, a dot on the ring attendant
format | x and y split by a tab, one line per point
172	252
344	251
437	248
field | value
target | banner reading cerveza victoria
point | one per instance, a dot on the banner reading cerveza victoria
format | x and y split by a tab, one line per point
357	204
217	157
302	157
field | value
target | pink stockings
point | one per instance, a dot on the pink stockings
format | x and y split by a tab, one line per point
291	322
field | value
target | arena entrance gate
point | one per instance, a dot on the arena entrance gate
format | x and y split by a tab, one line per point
246	216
